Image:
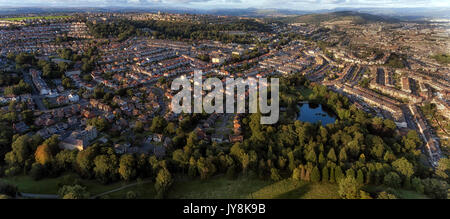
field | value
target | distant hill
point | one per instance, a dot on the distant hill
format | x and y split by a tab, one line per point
355	17
254	12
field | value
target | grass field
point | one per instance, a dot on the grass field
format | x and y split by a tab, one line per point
144	191
292	189
305	92
245	188
218	187
215	188
50	185
38	17
400	193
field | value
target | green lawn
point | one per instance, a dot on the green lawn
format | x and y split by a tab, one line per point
305	92
218	187
292	189
401	193
215	188
27	185
38	17
245	188
50	185
144	191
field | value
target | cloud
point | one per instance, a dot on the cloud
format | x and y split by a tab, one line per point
291	4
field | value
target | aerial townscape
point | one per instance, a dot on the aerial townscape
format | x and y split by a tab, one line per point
86	110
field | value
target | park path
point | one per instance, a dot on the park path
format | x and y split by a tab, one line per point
39	196
120	188
52	196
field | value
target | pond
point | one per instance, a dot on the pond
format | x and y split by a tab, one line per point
313	113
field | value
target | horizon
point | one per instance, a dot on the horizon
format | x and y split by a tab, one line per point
294	5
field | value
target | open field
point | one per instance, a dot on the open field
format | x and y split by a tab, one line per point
144	191
218	187
245	188
38	17
305	92
292	189
50	185
400	193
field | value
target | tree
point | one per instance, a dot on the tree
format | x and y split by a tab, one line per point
205	167
339	175
274	175
85	161
131	195
349	188
296	174
404	167
171	128
105	168
417	185
158	125
43	154
443	168
37	171
386	195
8	189
67	83
321	160
332	155
435	188
127	167
99	92
315	175
311	157
27	116
100	123
73	192
21	150
66	159
325	175
163	182
138	127
360	177
350	173
11	56
393	180
342	155
364	195
332	177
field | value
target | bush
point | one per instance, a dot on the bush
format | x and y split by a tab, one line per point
417	185
274	175
4	197
8	189
12	171
131	195
37	171
393	180
349	188
435	188
386	195
73	192
69	180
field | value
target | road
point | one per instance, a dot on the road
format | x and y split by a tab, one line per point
161	103
35	94
408	117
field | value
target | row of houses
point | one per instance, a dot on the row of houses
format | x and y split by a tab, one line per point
432	145
396	93
375	99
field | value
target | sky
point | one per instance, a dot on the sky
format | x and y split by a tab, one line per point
214	4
